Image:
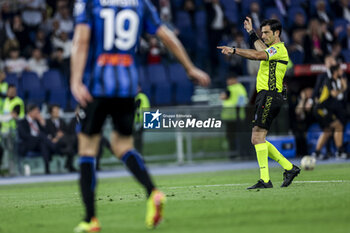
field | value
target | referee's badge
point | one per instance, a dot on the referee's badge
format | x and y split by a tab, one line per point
272	51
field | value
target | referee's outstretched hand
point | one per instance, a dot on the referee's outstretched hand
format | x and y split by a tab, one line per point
248	25
225	50
81	93
198	76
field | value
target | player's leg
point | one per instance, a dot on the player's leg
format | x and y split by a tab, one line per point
278	157
88	145
122	144
259	132
324	117
291	170
123	148
258	140
338	139
274	109
321	141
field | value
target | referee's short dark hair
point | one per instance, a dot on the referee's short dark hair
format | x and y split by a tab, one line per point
274	25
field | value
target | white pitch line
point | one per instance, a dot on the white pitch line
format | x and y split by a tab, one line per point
322	181
244	184
204	186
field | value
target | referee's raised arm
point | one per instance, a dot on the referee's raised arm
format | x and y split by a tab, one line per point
270	35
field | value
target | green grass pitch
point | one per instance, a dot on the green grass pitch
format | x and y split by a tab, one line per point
203	203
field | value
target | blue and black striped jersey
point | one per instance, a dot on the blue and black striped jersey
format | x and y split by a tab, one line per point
116	26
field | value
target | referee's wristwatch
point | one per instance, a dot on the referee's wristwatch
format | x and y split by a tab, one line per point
234	49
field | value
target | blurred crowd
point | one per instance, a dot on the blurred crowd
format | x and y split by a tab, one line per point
36	35
311	29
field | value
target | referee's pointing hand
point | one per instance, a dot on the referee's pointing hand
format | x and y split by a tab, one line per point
225	50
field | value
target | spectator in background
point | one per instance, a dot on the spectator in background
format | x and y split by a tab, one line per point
6	12
155	51
190	7
8	46
304	119
330	114
296	49
15	63
329	61
336	52
58	62
32	135
314	45
20	33
14	106
234	101
46	26
327	37
37	63
63	41
65	142
32	13
60	4
165	9
65	20
321	12
299	23
215	29
3	86
42	42
237	62
167	17
3	20
282	5
341	9
345	41
255	15
51	7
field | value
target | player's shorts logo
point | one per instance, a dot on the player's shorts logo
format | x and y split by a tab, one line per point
151	120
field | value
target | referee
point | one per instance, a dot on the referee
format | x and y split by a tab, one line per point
269	84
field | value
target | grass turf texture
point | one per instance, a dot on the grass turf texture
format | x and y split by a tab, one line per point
206	202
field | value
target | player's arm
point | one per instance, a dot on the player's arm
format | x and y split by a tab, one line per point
344	84
335	93
174	45
258	43
79	56
251	54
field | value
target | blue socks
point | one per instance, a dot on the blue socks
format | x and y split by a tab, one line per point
134	162
88	185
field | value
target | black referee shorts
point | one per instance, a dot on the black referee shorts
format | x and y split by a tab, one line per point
121	110
267	106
